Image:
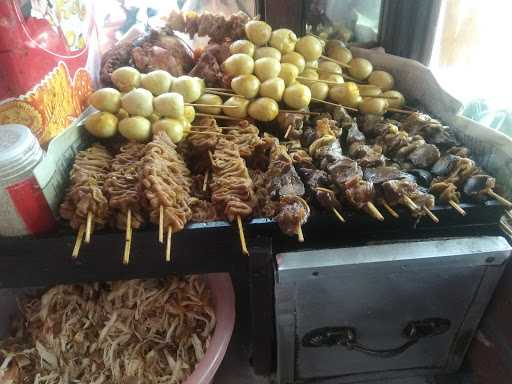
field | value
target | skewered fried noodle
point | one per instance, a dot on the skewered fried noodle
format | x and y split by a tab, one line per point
138	331
232	188
86	191
166	182
122	186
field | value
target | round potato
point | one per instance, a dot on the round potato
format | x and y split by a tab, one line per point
283	40
398	100
308	74
242	46
238	64
382	79
258	32
267	68
126	78
189	113
101	124
273	88
241	111
138	102
373	106
267	52
289	73
309	47
106	100
135	128
170	104
296	59
157	82
246	85
297	96
263	109
173	127
208	98
346	94
189	87
319	91
360	68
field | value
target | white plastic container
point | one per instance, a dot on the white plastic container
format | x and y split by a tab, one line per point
23	207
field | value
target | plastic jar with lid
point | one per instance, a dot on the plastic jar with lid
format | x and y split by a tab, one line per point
23	206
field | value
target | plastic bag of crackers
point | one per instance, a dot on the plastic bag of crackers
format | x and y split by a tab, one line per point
50	57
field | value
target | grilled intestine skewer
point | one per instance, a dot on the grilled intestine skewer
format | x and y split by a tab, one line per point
231	185
85	203
166	184
123	192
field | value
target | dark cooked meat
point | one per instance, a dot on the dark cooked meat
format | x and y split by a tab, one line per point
354	135
454	168
208	68
421	176
148	58
287	183
286	119
116	57
396	192
379	175
431	129
478	186
359	193
425	156
459	151
343	172
326	151
445	191
292	214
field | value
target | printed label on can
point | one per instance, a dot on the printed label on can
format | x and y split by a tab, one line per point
31	205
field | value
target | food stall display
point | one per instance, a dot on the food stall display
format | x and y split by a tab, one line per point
263	128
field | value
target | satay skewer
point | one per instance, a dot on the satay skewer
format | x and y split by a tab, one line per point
219	93
399	110
218	89
391	211
457	207
328	82
218	116
205	181
128	238
411	204
168	244
499	199
334	104
374	212
210	105
300	235
341	64
429	213
300	112
161	225
78	242
242	235
334	210
288	130
88	227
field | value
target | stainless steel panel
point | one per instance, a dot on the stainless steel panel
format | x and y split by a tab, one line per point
378	290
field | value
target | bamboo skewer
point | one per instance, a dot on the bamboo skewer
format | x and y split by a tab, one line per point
205	181
457	207
219	93
210	105
288	130
242	235
318	37
380	97
128	238
218	89
88	228
300	235
499	199
391	211
78	242
219	116
400	111
211	157
207	133
335	61
431	215
299	112
318	80
411	204
168	245
334	104
161	225
374	212
338	215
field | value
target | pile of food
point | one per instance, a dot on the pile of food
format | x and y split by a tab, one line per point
140	331
301	139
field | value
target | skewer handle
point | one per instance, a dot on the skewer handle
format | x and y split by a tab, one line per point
161	225
242	236
288	131
128	238
300	235
499	199
457	207
391	211
168	245
88	228
335	61
374	211
338	215
433	217
78	242
210	105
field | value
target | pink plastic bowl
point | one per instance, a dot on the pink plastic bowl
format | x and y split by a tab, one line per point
224	300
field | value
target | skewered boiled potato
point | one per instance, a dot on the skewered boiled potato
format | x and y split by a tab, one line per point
319	91
289	73
346	94
126	78
398	100
242	46
208	98
297	96
157	82
135	128
382	79
373	106
313	64
170	104
267	68
106	100
263	109
369	90
267	52
308	74
360	68
101	124
238	64
329	67
189	113
246	85
273	88
174	129
296	59
138	102
258	32
309	47
338	51
241	111
332	77
283	40
191	88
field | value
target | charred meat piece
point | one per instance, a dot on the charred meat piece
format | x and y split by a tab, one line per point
282	178
116	57
454	168
343	172
327	127
445	191
459	151
478	186
368	123
422	177
425	156
354	136
359	193
294	122
208	68
380	175
397	191
431	129
292	214
308	137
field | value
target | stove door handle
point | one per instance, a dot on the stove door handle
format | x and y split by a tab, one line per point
414	331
